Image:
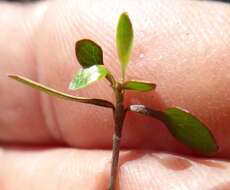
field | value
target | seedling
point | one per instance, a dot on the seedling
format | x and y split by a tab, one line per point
181	124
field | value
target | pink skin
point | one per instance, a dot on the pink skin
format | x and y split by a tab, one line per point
182	46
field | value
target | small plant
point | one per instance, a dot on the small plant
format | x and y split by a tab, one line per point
181	124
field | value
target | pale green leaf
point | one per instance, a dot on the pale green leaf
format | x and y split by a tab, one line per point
88	53
124	40
139	85
87	76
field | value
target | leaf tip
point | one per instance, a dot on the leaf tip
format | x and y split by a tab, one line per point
15	77
71	86
125	13
12	76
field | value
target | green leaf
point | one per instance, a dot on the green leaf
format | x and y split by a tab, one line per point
58	94
183	126
188	129
124	40
139	85
87	76
88	53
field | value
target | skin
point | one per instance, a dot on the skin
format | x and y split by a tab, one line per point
47	143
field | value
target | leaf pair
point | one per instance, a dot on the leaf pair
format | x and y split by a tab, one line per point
90	57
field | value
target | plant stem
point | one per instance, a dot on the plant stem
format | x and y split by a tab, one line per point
147	111
119	116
